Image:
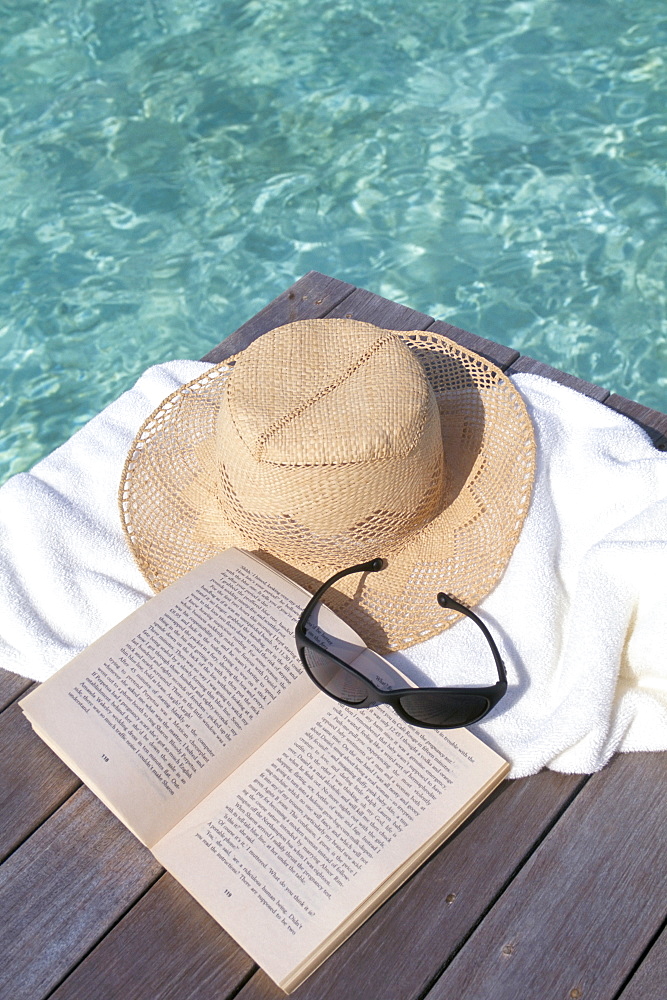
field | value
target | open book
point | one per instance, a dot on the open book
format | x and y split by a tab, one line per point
289	817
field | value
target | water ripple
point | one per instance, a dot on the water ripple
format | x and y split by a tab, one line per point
167	167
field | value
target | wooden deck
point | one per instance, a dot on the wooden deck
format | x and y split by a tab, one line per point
555	890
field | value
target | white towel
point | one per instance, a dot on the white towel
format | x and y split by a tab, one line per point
581	611
580	614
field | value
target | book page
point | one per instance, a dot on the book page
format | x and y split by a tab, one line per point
309	835
158	711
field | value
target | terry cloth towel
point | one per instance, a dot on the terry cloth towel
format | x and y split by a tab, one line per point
580	614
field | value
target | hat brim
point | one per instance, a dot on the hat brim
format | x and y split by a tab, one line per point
174	515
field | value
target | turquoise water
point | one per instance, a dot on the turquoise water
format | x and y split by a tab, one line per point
169	166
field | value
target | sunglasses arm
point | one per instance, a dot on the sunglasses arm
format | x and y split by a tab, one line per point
372	566
445	601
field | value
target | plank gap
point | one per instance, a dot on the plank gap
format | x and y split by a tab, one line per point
640	961
243	982
558	815
101	938
44	819
562	925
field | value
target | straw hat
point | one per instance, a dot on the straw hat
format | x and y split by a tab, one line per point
329	442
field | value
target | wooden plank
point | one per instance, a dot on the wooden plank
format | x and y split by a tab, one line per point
11	686
653	422
533	367
167	946
500	355
371	308
649	981
579	916
33	780
399	951
62	890
311	296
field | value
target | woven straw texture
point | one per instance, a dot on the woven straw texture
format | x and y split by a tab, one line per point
329	442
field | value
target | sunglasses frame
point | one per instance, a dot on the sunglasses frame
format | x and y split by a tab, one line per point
492	694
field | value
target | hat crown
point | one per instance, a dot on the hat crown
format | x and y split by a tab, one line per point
308	402
329	443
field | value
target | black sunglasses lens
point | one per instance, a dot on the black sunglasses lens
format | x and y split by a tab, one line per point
431	708
334	678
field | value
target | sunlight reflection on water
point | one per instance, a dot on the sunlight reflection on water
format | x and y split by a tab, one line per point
169	167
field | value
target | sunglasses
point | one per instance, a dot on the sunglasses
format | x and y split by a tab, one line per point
430	707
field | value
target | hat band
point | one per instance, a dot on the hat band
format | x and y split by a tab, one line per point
287	536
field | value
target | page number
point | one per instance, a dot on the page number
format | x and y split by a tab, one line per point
105	758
